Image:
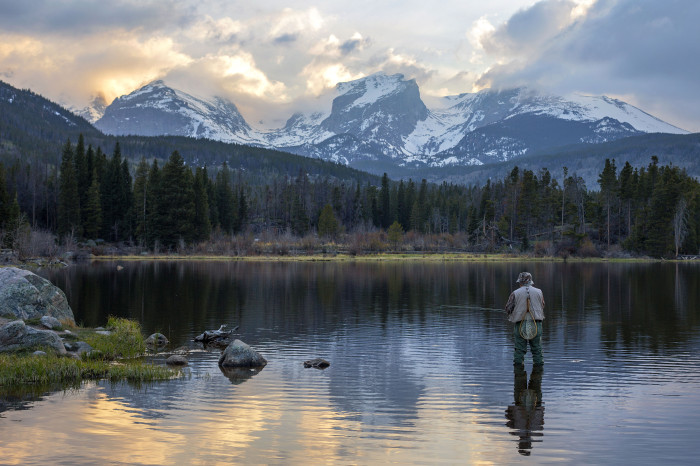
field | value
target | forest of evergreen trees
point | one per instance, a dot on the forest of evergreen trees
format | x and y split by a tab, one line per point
653	209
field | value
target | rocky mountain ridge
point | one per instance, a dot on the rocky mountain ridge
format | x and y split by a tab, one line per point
381	120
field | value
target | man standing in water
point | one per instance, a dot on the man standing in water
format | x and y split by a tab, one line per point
516	307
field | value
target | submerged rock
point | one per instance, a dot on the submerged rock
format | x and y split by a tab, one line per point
28	296
219	337
239	354
318	363
157	340
17	336
177	360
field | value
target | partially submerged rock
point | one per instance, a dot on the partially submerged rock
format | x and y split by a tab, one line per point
318	363
28	296
219	337
157	340
17	336
176	360
239	354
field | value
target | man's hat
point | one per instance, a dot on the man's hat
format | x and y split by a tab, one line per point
525	278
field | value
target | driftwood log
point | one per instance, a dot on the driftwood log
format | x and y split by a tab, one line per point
216	337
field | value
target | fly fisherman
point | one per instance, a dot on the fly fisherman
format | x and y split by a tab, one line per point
517	309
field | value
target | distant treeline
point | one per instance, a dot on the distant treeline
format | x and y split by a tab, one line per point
648	210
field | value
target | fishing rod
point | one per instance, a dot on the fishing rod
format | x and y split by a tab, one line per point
476	308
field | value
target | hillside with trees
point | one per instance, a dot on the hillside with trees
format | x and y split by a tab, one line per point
652	209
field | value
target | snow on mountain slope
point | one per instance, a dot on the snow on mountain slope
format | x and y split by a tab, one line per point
384	117
156	109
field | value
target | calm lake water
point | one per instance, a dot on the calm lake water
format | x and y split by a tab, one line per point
421	367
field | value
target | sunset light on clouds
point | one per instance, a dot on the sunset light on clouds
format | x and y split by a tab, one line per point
275	57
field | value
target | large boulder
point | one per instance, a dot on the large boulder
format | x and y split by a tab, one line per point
26	295
239	354
17	336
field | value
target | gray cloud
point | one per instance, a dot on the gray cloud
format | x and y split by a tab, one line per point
642	50
530	28
286	38
82	17
353	44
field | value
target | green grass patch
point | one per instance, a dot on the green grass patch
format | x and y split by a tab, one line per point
53	370
115	359
125	341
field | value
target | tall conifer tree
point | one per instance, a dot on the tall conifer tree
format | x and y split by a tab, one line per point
68	200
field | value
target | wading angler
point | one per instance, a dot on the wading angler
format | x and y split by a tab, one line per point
525	308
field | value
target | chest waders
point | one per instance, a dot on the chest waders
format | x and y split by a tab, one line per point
528	326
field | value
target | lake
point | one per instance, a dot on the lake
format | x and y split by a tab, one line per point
421	367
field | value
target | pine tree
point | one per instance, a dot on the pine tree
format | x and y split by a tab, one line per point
154	212
93	209
386	216
242	216
68	200
225	200
608	189
5	202
327	222
140	201
176	202
82	174
627	189
202	225
395	234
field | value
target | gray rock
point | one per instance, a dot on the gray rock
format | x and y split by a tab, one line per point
16	336
176	360
318	363
28	296
157	340
239	354
39	353
50	322
221	337
78	347
103	332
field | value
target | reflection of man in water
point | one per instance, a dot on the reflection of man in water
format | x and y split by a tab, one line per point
526	415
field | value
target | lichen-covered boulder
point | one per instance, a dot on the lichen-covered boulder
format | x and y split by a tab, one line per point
239	354
28	296
50	322
17	336
78	347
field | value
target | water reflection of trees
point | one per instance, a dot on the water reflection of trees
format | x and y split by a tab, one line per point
653	304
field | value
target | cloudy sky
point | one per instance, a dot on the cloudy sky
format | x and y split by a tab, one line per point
272	57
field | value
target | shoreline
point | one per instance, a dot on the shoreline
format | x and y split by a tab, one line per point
380	257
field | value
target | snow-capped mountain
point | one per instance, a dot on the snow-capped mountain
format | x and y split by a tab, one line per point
157	110
93	112
383	118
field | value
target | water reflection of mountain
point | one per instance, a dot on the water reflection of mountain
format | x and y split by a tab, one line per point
390	327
